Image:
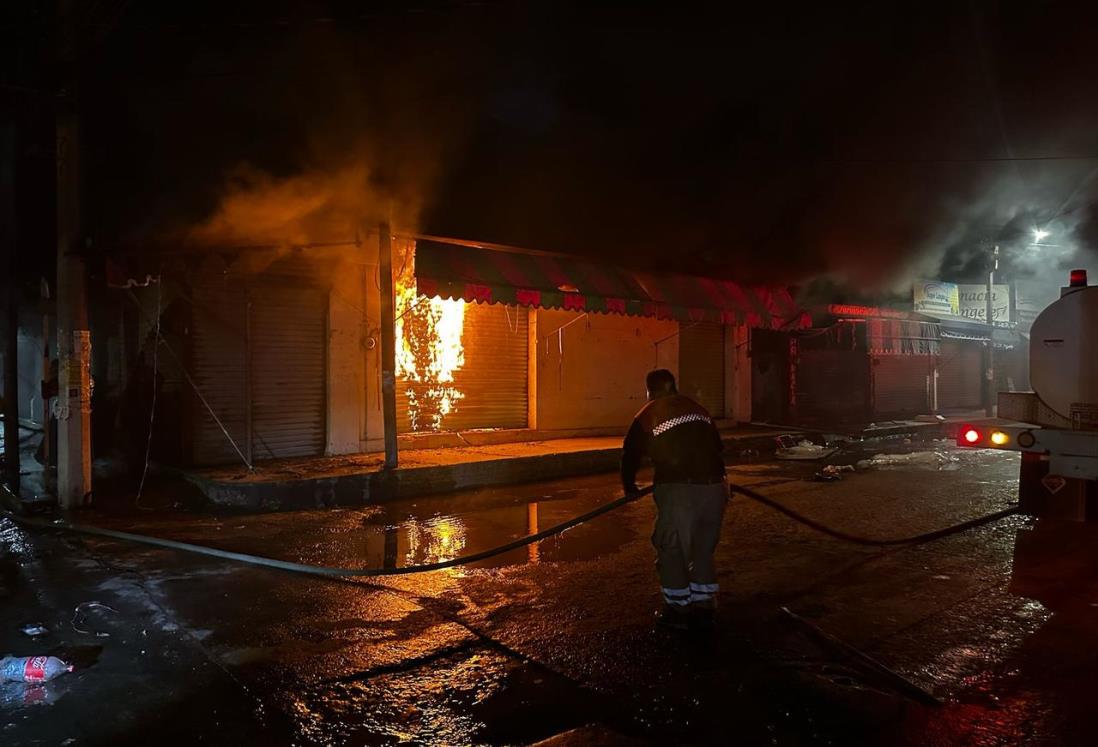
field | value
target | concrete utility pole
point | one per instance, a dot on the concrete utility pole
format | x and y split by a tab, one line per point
989	389
73	335
11	297
388	345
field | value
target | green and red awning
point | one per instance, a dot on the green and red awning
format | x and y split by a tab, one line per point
552	281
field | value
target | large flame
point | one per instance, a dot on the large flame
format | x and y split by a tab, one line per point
428	348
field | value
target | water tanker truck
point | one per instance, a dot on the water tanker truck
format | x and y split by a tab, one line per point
1055	426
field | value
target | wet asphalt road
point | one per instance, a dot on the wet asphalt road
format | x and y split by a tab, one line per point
996	622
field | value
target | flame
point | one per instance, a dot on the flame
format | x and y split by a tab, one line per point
428	348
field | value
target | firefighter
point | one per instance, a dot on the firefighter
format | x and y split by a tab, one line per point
679	437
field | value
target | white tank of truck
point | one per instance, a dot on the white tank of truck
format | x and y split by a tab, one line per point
1063	354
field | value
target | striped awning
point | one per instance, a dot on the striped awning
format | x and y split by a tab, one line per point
902	337
551	281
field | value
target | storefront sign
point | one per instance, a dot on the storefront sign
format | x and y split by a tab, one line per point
966	301
974	302
937	298
847	309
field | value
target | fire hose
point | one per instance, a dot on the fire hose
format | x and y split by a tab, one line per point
337	572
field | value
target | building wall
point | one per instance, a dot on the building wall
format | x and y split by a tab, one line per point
590	374
737	373
347	341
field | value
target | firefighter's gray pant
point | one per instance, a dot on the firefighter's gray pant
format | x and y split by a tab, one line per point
688	526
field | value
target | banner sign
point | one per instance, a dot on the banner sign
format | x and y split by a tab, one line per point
974	302
964	301
935	298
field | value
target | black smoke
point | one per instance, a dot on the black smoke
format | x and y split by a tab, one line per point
868	144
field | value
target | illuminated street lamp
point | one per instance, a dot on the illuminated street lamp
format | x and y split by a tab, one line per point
1038	235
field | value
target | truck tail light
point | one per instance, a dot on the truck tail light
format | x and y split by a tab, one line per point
999	438
969	436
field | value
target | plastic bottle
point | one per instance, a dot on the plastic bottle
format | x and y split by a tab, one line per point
32	668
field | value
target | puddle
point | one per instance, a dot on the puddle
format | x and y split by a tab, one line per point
431	531
412	532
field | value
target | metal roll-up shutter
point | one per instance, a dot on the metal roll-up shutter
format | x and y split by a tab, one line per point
831	385
288	331
492	381
960	375
218	362
701	364
900	385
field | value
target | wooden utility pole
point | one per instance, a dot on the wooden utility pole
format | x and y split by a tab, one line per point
11	298
990	394
73	335
388	345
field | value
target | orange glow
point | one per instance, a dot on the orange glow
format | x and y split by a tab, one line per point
428	348
999	438
435	540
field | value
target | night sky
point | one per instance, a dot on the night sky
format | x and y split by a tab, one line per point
866	141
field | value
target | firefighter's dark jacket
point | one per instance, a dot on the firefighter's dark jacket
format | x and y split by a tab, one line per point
679	436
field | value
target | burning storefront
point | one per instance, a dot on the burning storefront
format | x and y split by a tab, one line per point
275	353
574	338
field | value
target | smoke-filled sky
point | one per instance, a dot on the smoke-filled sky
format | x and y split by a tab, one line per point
865	142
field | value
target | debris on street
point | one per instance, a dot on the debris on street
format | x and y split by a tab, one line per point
804	449
78	618
939	459
35	669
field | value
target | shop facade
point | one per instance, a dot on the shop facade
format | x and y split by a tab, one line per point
276	353
863	364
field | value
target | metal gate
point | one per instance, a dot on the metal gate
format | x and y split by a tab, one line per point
492	382
769	354
960	375
287	332
701	365
831	385
901	385
258	356
218	361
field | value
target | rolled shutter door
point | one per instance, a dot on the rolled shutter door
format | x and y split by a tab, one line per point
960	371
900	385
288	330
701	364
218	364
492	381
831	384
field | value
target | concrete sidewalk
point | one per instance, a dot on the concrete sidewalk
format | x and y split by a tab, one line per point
360	479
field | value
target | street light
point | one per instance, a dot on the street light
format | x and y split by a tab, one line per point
1039	234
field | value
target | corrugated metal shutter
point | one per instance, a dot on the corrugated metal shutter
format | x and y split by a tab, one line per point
701	364
288	329
900	385
218	362
769	352
831	385
960	375
494	377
